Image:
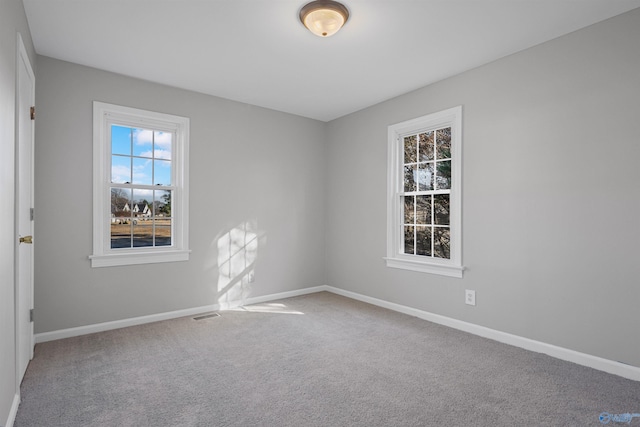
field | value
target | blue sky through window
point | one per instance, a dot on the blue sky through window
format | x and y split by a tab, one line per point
140	156
120	140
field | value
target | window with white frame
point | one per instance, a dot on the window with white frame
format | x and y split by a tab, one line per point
140	192
424	221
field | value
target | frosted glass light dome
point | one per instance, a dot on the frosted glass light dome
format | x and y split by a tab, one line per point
324	18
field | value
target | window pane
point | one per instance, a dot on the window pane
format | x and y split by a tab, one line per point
410	149
120	169
142	232
120	233
141	205
409	240
425	177
163	231
443	178
423	210
162	203
141	171
441	243
120	203
143	143
426	146
443	143
120	140
423	241
162	145
441	209
409	214
410	173
161	172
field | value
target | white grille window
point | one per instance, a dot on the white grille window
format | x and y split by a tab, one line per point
140	186
424	189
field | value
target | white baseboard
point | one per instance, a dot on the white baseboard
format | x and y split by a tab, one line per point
13	412
609	366
117	324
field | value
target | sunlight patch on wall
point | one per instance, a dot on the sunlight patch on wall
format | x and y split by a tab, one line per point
237	254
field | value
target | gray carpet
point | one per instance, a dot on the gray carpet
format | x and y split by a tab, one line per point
315	360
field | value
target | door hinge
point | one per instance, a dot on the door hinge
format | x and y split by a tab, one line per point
31	214
31	315
32	110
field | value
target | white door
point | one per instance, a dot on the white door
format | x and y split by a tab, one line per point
25	96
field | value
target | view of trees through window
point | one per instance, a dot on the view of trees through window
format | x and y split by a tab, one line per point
141	187
427	192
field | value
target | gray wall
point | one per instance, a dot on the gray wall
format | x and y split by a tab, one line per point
12	21
551	194
248	165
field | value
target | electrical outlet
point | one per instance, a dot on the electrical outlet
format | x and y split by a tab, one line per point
251	277
469	297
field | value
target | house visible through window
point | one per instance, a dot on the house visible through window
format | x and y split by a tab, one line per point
141	187
140	193
424	221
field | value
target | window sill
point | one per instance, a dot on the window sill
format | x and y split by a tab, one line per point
426	267
132	258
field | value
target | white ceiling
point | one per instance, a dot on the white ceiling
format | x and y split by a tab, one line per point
258	52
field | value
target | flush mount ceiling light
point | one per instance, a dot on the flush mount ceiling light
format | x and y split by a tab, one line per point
324	18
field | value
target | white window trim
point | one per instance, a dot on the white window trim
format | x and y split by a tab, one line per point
103	255
395	258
